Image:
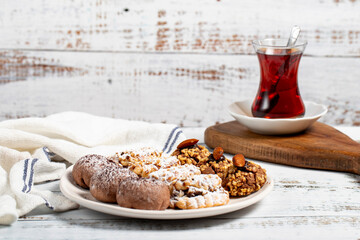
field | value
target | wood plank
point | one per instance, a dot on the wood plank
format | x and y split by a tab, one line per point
172	26
185	89
317	227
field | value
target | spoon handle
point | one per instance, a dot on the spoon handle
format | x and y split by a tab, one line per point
294	34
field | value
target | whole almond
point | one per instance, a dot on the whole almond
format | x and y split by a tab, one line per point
218	152
187	143
239	160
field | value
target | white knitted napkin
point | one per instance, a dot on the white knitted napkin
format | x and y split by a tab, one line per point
28	145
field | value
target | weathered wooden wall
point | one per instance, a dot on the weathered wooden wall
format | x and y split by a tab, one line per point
169	61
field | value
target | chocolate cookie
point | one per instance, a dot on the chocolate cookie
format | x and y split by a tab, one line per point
143	193
86	166
104	183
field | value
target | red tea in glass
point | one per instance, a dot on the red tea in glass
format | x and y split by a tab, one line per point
278	95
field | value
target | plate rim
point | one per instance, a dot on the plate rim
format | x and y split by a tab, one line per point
68	188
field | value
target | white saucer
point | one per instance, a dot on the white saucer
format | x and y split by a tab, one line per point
241	111
83	197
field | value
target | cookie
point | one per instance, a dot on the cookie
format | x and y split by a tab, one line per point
144	161
143	193
196	198
177	177
104	183
195	155
190	189
87	165
242	181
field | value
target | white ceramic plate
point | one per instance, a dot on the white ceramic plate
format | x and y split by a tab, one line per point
83	197
241	111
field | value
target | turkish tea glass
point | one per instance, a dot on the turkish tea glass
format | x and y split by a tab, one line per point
278	95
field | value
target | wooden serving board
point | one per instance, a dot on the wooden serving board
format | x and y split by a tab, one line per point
319	147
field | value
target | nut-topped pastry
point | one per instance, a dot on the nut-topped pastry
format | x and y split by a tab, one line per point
196	198
245	178
239	177
191	154
144	161
190	189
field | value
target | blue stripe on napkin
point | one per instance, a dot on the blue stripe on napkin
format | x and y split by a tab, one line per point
26	163
47	153
174	141
48	204
30	183
169	138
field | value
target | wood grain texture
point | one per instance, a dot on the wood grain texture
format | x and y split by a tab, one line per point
319	147
185	89
330	26
169	61
297	227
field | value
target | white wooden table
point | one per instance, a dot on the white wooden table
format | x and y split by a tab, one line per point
86	54
305	204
